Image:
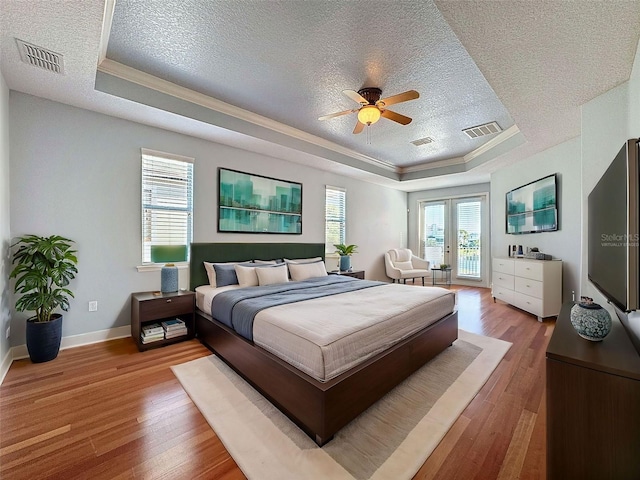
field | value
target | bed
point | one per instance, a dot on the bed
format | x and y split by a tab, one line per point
320	397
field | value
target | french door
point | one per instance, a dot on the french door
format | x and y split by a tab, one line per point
454	231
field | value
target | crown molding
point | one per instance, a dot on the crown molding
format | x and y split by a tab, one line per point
105	33
130	74
493	143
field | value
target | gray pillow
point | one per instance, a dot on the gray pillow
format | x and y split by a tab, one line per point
226	273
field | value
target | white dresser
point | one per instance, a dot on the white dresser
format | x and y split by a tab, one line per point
531	285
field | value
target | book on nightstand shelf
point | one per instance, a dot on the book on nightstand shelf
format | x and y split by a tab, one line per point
174	328
152	329
152	337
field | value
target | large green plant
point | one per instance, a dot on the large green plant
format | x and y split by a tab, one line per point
44	266
343	249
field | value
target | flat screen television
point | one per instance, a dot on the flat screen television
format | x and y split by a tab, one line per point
613	233
533	207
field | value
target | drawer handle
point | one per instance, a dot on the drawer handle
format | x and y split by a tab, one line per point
169	301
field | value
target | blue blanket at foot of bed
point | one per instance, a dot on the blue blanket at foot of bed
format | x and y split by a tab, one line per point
237	308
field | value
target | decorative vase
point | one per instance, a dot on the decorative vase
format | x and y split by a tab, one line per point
345	263
591	321
169	278
43	338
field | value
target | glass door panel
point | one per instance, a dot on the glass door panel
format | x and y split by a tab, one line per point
434	232
469	234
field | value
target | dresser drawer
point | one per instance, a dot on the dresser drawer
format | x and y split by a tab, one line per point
503	265
503	280
533	288
527	303
502	293
166	307
532	270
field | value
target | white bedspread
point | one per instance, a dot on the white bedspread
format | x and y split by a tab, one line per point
326	336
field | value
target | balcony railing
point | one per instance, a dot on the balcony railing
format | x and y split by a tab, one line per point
469	261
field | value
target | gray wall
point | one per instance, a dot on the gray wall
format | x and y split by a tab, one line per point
77	173
5	235
563	159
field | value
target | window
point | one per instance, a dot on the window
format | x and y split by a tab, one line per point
167	201
335	207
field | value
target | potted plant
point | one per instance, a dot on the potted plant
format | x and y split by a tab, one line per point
43	267
345	252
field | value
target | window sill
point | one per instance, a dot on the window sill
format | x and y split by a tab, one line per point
156	267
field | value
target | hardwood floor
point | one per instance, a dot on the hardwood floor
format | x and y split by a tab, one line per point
107	411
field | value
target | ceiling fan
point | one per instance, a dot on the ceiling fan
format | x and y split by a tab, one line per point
372	107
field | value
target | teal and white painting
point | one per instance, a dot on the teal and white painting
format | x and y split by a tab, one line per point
251	203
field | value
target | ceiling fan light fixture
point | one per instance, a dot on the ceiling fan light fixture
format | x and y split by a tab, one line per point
369	114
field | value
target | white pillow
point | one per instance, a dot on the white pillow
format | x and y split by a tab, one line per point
403	265
211	273
266	262
302	271
271	275
303	260
246	276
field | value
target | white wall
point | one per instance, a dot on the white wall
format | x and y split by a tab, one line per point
5	232
608	121
605	124
563	159
77	173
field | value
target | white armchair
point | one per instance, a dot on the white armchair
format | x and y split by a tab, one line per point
401	264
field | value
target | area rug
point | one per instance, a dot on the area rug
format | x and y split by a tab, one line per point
392	439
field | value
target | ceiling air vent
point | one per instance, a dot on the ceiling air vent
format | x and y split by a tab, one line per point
482	130
40	57
423	141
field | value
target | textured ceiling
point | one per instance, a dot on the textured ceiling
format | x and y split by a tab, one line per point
289	62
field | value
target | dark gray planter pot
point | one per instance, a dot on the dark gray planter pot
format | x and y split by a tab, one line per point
43	338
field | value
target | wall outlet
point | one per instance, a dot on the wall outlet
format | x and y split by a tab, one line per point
8	334
93	306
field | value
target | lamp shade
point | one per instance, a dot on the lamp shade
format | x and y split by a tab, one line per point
368	114
169	273
168	253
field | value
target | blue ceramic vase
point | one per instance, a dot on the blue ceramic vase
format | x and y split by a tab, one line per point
591	321
345	263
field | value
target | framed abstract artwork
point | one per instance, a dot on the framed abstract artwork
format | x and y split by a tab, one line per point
249	203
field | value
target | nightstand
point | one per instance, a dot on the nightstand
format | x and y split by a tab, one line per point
353	273
155	307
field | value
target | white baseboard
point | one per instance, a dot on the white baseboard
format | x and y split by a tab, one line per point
20	351
6	363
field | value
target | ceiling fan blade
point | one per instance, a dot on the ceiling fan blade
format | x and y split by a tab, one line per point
356	97
337	114
401	97
359	127
396	117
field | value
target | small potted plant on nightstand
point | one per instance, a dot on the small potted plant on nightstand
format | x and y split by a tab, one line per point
345	252
44	266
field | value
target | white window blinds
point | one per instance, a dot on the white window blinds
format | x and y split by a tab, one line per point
167	201
335	209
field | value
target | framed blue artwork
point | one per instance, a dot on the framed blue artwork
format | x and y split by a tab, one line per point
249	203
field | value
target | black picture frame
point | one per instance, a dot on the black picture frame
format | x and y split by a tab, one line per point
251	203
533	208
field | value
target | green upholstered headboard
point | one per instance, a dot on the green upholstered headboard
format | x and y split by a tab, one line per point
240	252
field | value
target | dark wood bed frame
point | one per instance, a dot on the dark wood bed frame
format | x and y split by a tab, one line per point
319	409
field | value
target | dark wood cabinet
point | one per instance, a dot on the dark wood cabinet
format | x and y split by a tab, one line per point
593	404
354	273
155	307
